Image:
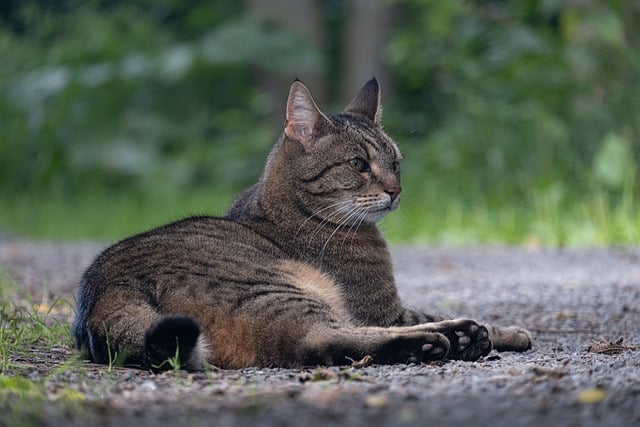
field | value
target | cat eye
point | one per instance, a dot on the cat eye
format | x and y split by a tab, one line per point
359	164
395	167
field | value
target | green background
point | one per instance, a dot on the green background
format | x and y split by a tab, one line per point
519	120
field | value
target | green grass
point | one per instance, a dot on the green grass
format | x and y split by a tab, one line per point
544	218
543	221
25	324
26	329
101	216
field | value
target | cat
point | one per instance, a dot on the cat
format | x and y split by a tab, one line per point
295	273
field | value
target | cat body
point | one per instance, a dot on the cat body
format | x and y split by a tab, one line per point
295	274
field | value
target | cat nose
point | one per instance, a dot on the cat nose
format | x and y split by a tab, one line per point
393	192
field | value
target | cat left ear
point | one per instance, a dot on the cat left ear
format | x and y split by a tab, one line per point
367	102
303	115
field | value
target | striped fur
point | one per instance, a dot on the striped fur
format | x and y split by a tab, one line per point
296	273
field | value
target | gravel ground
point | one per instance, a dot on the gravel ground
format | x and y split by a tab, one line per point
566	298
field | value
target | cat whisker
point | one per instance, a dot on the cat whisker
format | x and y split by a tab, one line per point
354	212
357	222
341	204
343	209
332	205
353	229
326	221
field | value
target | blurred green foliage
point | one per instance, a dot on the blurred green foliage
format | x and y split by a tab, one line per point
136	96
529	103
519	97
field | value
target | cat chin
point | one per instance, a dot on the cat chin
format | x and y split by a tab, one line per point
373	217
377	214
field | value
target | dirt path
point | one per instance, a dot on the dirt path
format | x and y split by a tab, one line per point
566	298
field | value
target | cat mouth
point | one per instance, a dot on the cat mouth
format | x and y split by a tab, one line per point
390	204
363	209
380	209
375	216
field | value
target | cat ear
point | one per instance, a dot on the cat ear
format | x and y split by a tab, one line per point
367	102
303	115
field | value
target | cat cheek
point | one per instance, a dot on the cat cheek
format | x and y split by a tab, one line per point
319	189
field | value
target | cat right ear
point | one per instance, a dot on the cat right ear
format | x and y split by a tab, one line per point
367	102
303	115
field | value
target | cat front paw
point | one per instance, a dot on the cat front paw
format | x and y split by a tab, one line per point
469	340
431	347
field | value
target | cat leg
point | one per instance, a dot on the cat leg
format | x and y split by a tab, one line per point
116	326
409	317
510	338
459	339
468	340
338	346
503	339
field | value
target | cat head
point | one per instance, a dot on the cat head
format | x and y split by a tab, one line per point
342	167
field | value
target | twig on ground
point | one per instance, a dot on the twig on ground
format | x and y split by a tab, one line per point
603	346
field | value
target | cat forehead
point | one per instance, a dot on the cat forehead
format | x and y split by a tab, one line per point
366	136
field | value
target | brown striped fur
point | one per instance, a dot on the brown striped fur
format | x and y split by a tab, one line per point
296	273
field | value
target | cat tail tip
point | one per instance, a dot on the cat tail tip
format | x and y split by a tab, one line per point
174	342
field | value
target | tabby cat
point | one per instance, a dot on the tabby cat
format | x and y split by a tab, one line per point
295	274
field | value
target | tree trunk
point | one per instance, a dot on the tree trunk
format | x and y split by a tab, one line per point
305	18
367	26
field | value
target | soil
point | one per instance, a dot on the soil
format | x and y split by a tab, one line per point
567	298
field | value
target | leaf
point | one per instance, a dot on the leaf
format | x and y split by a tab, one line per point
591	395
377	401
544	372
321	374
362	363
603	346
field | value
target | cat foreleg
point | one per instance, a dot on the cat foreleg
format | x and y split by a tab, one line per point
468	340
332	346
502	338
409	317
